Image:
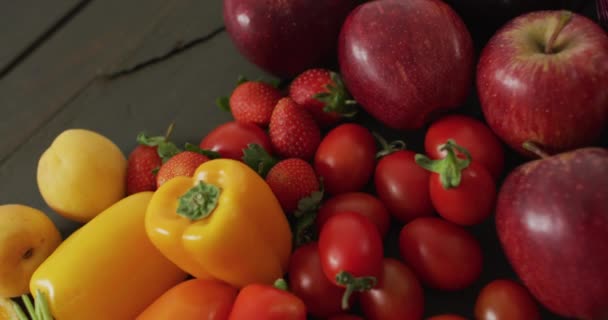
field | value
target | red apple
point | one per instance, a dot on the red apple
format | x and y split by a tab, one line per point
544	77
286	37
552	221
405	61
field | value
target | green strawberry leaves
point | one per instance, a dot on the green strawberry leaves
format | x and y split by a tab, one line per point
207	153
337	99
258	159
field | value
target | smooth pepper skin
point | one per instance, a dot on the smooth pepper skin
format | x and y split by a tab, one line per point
258	301
245	238
108	269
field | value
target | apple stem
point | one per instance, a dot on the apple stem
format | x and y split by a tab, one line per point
564	19
534	148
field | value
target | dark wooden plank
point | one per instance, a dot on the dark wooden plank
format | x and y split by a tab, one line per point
25	22
188	22
37	89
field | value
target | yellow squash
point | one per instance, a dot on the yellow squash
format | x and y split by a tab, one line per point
223	223
108	269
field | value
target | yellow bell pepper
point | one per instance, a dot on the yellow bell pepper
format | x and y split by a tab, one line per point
224	222
107	269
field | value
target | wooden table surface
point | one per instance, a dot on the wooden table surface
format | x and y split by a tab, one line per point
120	67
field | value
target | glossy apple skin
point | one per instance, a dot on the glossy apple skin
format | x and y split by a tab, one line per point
286	37
406	61
560	100
552	221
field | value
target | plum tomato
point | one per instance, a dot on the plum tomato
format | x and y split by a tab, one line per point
360	202
345	158
472	134
443	255
351	253
403	186
398	295
504	299
307	281
462	191
229	139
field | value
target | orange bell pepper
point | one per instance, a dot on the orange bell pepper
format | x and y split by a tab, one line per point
224	222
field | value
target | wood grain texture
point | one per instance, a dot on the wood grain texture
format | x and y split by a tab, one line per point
25	22
54	74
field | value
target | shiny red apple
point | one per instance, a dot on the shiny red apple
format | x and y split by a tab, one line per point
286	37
406	61
544	77
552	221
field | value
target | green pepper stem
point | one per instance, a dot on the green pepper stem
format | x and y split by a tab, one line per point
40	310
449	168
199	202
353	284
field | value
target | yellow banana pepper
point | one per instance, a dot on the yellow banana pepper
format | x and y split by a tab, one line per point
108	269
224	222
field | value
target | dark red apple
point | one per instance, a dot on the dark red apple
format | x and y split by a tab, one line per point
544	77
552	221
286	37
406	61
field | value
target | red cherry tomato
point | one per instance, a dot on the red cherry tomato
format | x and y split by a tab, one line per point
471	202
307	281
397	296
403	186
442	254
362	203
472	134
447	317
229	139
351	253
346	158
504	300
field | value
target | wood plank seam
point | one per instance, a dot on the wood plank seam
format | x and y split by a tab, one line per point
36	43
176	50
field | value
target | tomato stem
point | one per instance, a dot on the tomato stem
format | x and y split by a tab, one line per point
353	284
388	148
199	202
449	168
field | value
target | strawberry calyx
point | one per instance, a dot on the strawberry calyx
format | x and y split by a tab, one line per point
306	215
258	159
387	148
337	99
207	153
164	147
449	168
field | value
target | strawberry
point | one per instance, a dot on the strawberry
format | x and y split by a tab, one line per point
292	180
293	132
252	102
146	159
323	93
184	163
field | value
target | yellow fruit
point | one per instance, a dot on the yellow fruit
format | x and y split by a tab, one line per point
27	238
81	174
7	311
